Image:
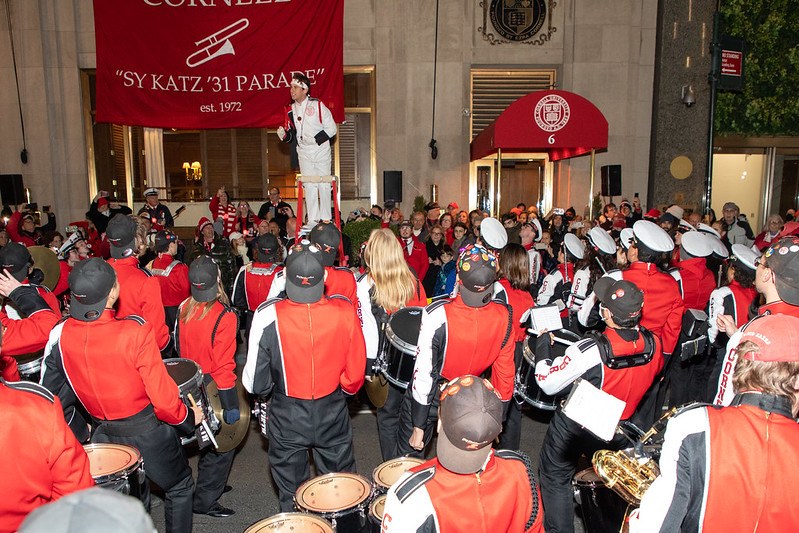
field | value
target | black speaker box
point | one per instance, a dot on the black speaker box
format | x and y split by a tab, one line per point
611	180
392	185
12	191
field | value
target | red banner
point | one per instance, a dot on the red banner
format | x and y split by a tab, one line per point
200	64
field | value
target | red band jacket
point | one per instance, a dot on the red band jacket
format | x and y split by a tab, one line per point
696	282
140	295
42	460
416	257
113	367
455	340
502	498
209	339
253	283
305	351
173	277
729	469
583	359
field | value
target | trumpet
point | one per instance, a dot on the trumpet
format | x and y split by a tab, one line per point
216	44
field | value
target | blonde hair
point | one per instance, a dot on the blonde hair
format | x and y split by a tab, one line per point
395	284
772	377
190	304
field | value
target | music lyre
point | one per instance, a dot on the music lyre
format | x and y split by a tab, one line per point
217	44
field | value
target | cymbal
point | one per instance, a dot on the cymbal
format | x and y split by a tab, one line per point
377	390
46	260
230	435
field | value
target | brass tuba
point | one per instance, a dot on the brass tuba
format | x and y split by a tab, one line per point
628	475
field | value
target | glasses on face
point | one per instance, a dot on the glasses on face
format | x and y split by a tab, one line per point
760	261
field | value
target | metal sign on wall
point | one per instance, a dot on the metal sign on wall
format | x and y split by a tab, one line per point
731	66
517	21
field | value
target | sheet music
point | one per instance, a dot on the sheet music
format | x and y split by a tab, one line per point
594	409
545	317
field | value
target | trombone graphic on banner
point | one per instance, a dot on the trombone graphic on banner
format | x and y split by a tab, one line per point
216	44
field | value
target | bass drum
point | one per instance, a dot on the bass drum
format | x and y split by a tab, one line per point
402	335
602	510
526	387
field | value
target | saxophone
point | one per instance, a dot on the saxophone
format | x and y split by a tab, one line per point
629	476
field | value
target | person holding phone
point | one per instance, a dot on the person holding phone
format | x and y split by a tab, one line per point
101	210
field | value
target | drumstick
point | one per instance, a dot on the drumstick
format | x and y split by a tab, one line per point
204	422
563	341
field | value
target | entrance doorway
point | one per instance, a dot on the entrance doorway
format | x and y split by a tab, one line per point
521	181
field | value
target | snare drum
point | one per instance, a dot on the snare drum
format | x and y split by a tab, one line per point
376	510
291	523
386	474
189	378
116	467
402	334
602	510
526	386
342	498
30	366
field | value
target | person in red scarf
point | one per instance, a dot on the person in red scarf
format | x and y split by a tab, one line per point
221	208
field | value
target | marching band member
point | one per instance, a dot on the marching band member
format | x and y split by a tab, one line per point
113	367
696	283
206	332
388	285
775	279
514	280
463	335
43	460
139	292
558	284
600	258
338	280
254	279
663	305
17	261
172	275
622	362
701	466
309	126
305	350
469	486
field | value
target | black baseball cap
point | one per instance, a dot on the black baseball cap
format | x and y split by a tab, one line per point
203	278
471	418
267	247
90	283
15	259
477	271
121	233
622	298
782	258
163	239
327	238
305	274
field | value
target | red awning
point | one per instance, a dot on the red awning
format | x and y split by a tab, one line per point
561	123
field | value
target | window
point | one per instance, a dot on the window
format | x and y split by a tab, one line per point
493	90
247	161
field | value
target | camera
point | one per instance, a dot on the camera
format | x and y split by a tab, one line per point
559	211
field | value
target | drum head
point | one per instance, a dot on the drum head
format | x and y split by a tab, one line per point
291	523
333	492
111	460
403	328
182	371
386	474
588	478
377	507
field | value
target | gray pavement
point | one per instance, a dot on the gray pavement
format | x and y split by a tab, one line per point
254	496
